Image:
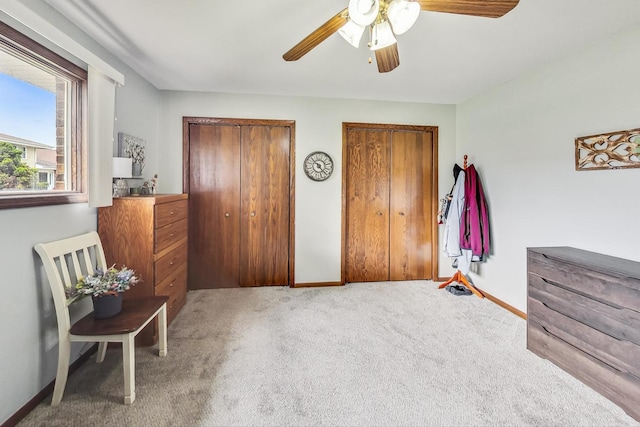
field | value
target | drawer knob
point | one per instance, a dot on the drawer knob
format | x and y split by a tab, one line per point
171	263
171	213
171	235
401	213
253	214
171	285
379	213
226	214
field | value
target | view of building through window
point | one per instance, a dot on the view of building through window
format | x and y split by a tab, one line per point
34	139
43	151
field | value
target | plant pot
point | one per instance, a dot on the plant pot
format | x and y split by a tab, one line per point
136	169
107	305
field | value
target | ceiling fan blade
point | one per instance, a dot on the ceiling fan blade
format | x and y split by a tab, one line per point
486	8
387	58
317	37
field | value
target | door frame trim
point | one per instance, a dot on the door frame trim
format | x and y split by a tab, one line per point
434	189
291	124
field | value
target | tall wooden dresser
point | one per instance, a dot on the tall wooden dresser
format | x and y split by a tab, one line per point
149	235
583	314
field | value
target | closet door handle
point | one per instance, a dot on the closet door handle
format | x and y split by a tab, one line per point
226	214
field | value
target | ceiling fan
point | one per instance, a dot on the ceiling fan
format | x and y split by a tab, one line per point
388	18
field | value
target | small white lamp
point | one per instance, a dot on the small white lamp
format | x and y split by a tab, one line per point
120	171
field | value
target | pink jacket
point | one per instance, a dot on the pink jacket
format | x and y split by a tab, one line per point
474	224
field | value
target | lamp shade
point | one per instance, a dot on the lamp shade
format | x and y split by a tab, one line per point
363	12
402	15
352	33
122	167
382	36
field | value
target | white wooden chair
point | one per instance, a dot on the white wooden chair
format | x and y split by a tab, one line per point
65	261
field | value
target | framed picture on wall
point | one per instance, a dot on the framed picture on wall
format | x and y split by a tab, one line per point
134	147
613	150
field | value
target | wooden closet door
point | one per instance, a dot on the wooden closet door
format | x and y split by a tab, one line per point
265	196
367	212
214	213
410	205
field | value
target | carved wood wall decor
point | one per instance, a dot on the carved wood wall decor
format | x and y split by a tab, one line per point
615	150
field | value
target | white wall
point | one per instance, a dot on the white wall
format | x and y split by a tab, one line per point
28	331
318	127
521	138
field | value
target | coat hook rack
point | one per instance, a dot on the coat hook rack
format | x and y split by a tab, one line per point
459	277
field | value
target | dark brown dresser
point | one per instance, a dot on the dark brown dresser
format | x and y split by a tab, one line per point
583	314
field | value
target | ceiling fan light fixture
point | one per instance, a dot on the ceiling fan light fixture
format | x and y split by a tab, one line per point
382	36
363	12
352	33
402	15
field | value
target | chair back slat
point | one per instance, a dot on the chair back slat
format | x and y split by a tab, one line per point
66	275
87	261
76	265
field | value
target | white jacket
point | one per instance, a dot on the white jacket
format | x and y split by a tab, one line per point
452	222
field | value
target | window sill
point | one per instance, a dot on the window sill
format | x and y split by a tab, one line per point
33	199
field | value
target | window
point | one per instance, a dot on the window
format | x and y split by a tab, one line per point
41	125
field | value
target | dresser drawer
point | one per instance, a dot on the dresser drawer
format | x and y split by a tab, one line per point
620	290
166	265
620	354
166	213
175	287
621	388
170	234
620	323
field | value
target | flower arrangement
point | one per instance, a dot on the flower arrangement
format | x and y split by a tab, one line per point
108	282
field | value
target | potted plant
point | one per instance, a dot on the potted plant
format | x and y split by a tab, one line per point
106	288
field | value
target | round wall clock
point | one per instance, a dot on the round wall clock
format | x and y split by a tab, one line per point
318	166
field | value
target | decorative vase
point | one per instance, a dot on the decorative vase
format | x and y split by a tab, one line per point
136	169
107	305
120	188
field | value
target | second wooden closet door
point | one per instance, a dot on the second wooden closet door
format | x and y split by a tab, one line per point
264	201
411	219
239	221
388	204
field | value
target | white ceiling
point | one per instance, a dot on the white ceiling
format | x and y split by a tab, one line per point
237	45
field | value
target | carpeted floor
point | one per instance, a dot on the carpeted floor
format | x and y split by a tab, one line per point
374	354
